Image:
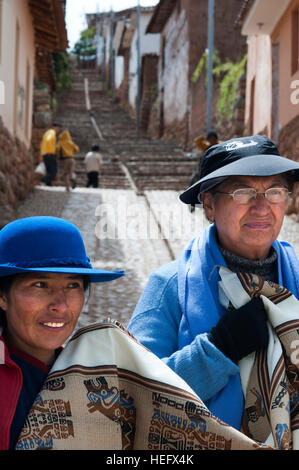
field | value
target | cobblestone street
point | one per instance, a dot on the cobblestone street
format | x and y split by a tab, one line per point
125	231
131	222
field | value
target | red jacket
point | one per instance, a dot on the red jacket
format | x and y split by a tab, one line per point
10	387
11	381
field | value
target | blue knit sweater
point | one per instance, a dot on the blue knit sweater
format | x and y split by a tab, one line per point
155	323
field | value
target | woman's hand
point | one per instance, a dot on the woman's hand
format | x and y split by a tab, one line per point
242	331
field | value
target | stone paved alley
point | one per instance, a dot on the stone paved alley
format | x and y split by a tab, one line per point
132	224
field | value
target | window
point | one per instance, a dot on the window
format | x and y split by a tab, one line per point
295	40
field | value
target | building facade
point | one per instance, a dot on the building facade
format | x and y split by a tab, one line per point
29	32
272	104
183	29
17	63
173	41
149	46
123	45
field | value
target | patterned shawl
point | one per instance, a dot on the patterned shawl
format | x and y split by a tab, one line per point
107	392
198	278
270	379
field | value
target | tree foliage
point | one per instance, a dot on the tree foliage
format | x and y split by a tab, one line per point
228	74
85	47
63	76
203	65
231	74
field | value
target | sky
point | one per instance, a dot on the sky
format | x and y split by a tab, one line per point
76	10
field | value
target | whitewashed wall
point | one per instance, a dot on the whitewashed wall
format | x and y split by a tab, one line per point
173	79
149	44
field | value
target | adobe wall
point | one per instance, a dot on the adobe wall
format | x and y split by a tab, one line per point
230	45
182	104
173	72
148	82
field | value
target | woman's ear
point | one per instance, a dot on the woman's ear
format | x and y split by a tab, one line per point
208	206
3	301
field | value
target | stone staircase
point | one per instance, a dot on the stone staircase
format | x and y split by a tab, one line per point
153	164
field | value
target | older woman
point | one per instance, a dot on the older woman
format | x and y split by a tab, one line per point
244	189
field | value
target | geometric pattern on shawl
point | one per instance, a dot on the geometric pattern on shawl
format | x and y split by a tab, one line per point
270	378
108	392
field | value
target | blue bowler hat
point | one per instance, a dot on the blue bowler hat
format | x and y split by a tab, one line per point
47	244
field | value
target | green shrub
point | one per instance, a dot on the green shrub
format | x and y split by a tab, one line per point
63	76
228	75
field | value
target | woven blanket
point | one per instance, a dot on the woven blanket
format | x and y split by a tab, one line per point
108	392
270	379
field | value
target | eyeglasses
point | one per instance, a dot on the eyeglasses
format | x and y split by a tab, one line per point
244	195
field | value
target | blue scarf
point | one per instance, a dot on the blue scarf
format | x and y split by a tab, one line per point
199	300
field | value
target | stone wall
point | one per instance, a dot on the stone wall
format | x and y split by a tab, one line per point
179	131
173	75
17	162
16	174
183	117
